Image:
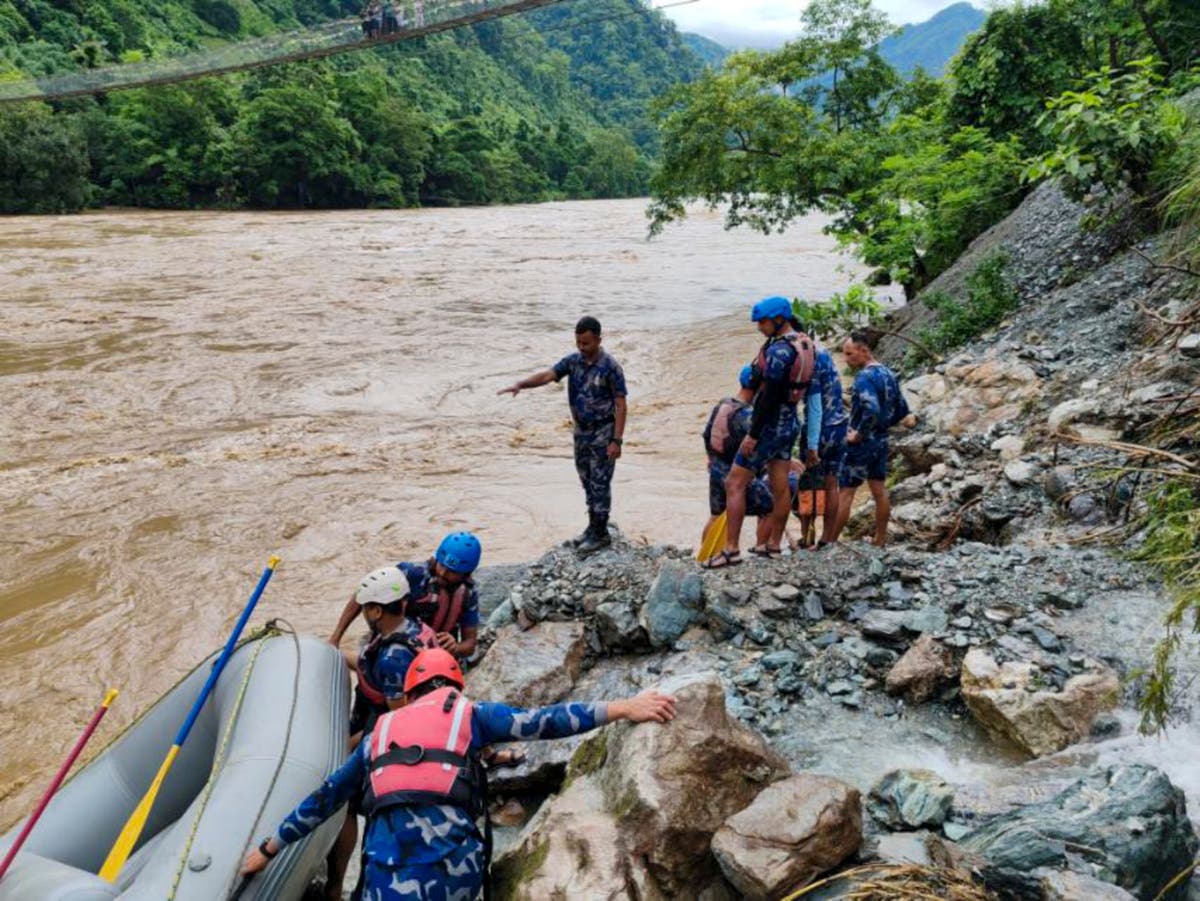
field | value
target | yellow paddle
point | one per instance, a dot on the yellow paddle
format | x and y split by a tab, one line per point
714	539
125	842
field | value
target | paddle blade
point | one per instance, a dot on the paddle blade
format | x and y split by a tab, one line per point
132	831
714	538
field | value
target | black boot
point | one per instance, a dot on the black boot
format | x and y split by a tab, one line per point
599	537
586	533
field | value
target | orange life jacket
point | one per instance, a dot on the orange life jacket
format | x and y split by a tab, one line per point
422	754
442	610
802	367
366	659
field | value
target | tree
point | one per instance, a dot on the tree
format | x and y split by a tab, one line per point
43	161
843	34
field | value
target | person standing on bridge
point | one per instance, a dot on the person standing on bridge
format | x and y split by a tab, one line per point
596	392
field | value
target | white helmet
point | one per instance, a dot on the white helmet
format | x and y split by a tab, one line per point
383	586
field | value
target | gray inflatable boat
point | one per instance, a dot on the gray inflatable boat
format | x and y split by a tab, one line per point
273	729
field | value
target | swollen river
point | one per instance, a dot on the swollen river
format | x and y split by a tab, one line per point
186	393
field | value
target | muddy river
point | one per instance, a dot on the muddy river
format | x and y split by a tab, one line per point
185	394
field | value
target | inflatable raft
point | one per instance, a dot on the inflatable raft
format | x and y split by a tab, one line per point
273	729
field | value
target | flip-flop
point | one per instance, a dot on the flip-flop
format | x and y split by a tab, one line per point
726	559
769	553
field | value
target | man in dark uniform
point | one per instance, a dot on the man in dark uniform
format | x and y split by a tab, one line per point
596	392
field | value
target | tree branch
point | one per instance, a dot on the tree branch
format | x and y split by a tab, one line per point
1157	265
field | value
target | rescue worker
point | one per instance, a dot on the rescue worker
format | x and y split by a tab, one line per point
596	392
723	433
424	785
822	473
785	369
443	595
876	405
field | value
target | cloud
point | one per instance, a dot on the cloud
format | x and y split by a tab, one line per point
768	23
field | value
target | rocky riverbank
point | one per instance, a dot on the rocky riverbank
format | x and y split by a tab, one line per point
963	699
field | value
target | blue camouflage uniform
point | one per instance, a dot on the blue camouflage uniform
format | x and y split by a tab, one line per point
592	390
759	501
876	404
834	418
779	431
431	852
419	576
386	673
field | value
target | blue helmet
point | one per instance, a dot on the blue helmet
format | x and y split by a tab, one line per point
771	307
459	552
746	376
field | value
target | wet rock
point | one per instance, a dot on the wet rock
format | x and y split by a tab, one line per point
910	799
923	669
792	832
813	609
617	625
673	603
1122	824
1009	701
529	668
1063	885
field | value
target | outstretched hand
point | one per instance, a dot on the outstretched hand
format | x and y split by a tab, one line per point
514	390
255	862
648	707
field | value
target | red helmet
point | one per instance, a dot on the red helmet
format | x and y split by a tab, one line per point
429	664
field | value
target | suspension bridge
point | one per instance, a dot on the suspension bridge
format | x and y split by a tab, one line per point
341	36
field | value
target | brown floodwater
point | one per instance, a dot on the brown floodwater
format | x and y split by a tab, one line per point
185	394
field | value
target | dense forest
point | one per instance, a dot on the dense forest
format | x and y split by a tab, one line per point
544	105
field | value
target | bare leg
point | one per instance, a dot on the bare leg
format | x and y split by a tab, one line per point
777	478
339	857
735	504
845	502
829	526
883	510
763	534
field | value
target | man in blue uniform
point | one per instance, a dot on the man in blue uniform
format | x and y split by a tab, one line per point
442	595
784	367
834	419
876	405
727	425
423	849
596	392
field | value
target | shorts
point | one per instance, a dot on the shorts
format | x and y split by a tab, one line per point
863	462
759	500
774	444
833	441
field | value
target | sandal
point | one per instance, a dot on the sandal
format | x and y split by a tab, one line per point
722	560
763	550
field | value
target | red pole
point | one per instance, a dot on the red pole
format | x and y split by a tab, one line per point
58	779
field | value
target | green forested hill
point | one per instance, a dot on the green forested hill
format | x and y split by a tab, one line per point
550	104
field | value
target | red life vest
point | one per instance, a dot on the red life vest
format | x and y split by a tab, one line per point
802	367
366	659
442	610
421	754
720	438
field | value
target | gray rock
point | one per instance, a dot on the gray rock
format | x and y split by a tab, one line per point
839	687
813	608
1189	345
617	625
502	616
1063	885
748	677
827	639
885	625
1047	639
1130	819
1020	472
785	592
927	619
1085	509
777	660
673	603
910	799
721	622
1058	481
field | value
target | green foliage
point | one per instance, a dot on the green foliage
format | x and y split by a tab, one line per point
1110	131
1171	544
1180	177
838	315
990	297
43	161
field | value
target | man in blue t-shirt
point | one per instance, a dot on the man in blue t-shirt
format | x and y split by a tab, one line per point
596	392
876	405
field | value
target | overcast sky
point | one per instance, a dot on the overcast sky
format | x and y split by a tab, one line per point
768	23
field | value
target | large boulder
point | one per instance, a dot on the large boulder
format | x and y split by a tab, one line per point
972	397
673	603
1127	825
792	832
910	799
530	668
1063	885
1007	700
670	787
924	668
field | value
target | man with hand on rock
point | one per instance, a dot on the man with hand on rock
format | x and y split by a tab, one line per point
596	392
425	788
876	405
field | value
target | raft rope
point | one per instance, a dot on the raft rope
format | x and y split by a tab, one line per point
271	629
